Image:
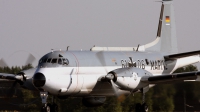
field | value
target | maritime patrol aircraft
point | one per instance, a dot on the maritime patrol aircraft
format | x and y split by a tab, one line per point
111	71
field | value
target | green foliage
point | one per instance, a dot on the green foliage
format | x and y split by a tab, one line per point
187	90
163	97
14	70
188	68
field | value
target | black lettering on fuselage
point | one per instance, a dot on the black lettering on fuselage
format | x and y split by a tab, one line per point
152	65
140	63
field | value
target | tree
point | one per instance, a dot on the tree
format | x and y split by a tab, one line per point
188	91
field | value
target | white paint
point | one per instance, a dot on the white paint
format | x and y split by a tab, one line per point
181	62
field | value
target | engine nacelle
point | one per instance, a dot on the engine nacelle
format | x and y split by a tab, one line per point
128	78
27	79
93	101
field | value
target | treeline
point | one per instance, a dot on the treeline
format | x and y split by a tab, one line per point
179	96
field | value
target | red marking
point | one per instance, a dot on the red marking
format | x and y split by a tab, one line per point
77	70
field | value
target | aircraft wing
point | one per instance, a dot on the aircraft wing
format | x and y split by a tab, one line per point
181	55
8	76
170	77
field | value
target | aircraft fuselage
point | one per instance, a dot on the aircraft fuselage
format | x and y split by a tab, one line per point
77	72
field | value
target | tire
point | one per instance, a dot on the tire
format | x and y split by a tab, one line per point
138	107
144	107
54	107
48	108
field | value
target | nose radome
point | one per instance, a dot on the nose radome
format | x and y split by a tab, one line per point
39	80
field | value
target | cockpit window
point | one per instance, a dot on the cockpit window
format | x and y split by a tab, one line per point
40	61
54	60
49	60
44	60
65	61
60	61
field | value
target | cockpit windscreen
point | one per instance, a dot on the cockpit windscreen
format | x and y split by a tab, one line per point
61	61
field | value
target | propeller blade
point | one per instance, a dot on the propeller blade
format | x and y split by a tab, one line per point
3	63
111	77
120	97
114	88
11	90
30	59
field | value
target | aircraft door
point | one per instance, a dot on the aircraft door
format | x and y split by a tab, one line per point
76	81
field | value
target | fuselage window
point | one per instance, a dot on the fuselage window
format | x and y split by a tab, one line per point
44	60
54	60
59	61
49	60
65	62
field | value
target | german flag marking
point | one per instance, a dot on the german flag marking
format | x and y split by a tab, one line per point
167	19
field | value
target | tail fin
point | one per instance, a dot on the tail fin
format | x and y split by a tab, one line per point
166	40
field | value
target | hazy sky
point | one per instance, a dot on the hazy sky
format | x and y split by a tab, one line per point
37	26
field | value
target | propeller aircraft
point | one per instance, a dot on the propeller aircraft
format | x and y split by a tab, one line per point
111	71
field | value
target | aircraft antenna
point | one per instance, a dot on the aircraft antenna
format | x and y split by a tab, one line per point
52	50
138	47
67	48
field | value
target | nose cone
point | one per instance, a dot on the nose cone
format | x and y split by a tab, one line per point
39	80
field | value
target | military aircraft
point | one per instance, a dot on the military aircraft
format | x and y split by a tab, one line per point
111	71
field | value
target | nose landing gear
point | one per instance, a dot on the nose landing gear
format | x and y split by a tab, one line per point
48	107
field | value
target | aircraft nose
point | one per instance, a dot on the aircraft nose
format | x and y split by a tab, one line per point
39	80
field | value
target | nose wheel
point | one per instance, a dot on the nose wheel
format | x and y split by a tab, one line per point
48	107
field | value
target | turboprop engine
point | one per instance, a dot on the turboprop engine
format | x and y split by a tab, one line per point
127	78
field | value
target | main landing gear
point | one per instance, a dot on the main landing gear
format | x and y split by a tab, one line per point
142	107
48	107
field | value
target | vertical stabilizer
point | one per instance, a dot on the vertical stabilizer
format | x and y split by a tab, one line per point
166	40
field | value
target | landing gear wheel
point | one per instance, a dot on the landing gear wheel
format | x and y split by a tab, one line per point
54	107
46	108
141	108
144	107
138	107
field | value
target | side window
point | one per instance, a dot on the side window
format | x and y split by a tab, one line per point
60	61
44	60
40	61
54	60
49	60
65	62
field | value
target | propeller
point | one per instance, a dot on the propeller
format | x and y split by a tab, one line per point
30	59
112	78
18	78
11	90
3	63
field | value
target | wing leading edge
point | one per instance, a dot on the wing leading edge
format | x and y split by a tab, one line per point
181	55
